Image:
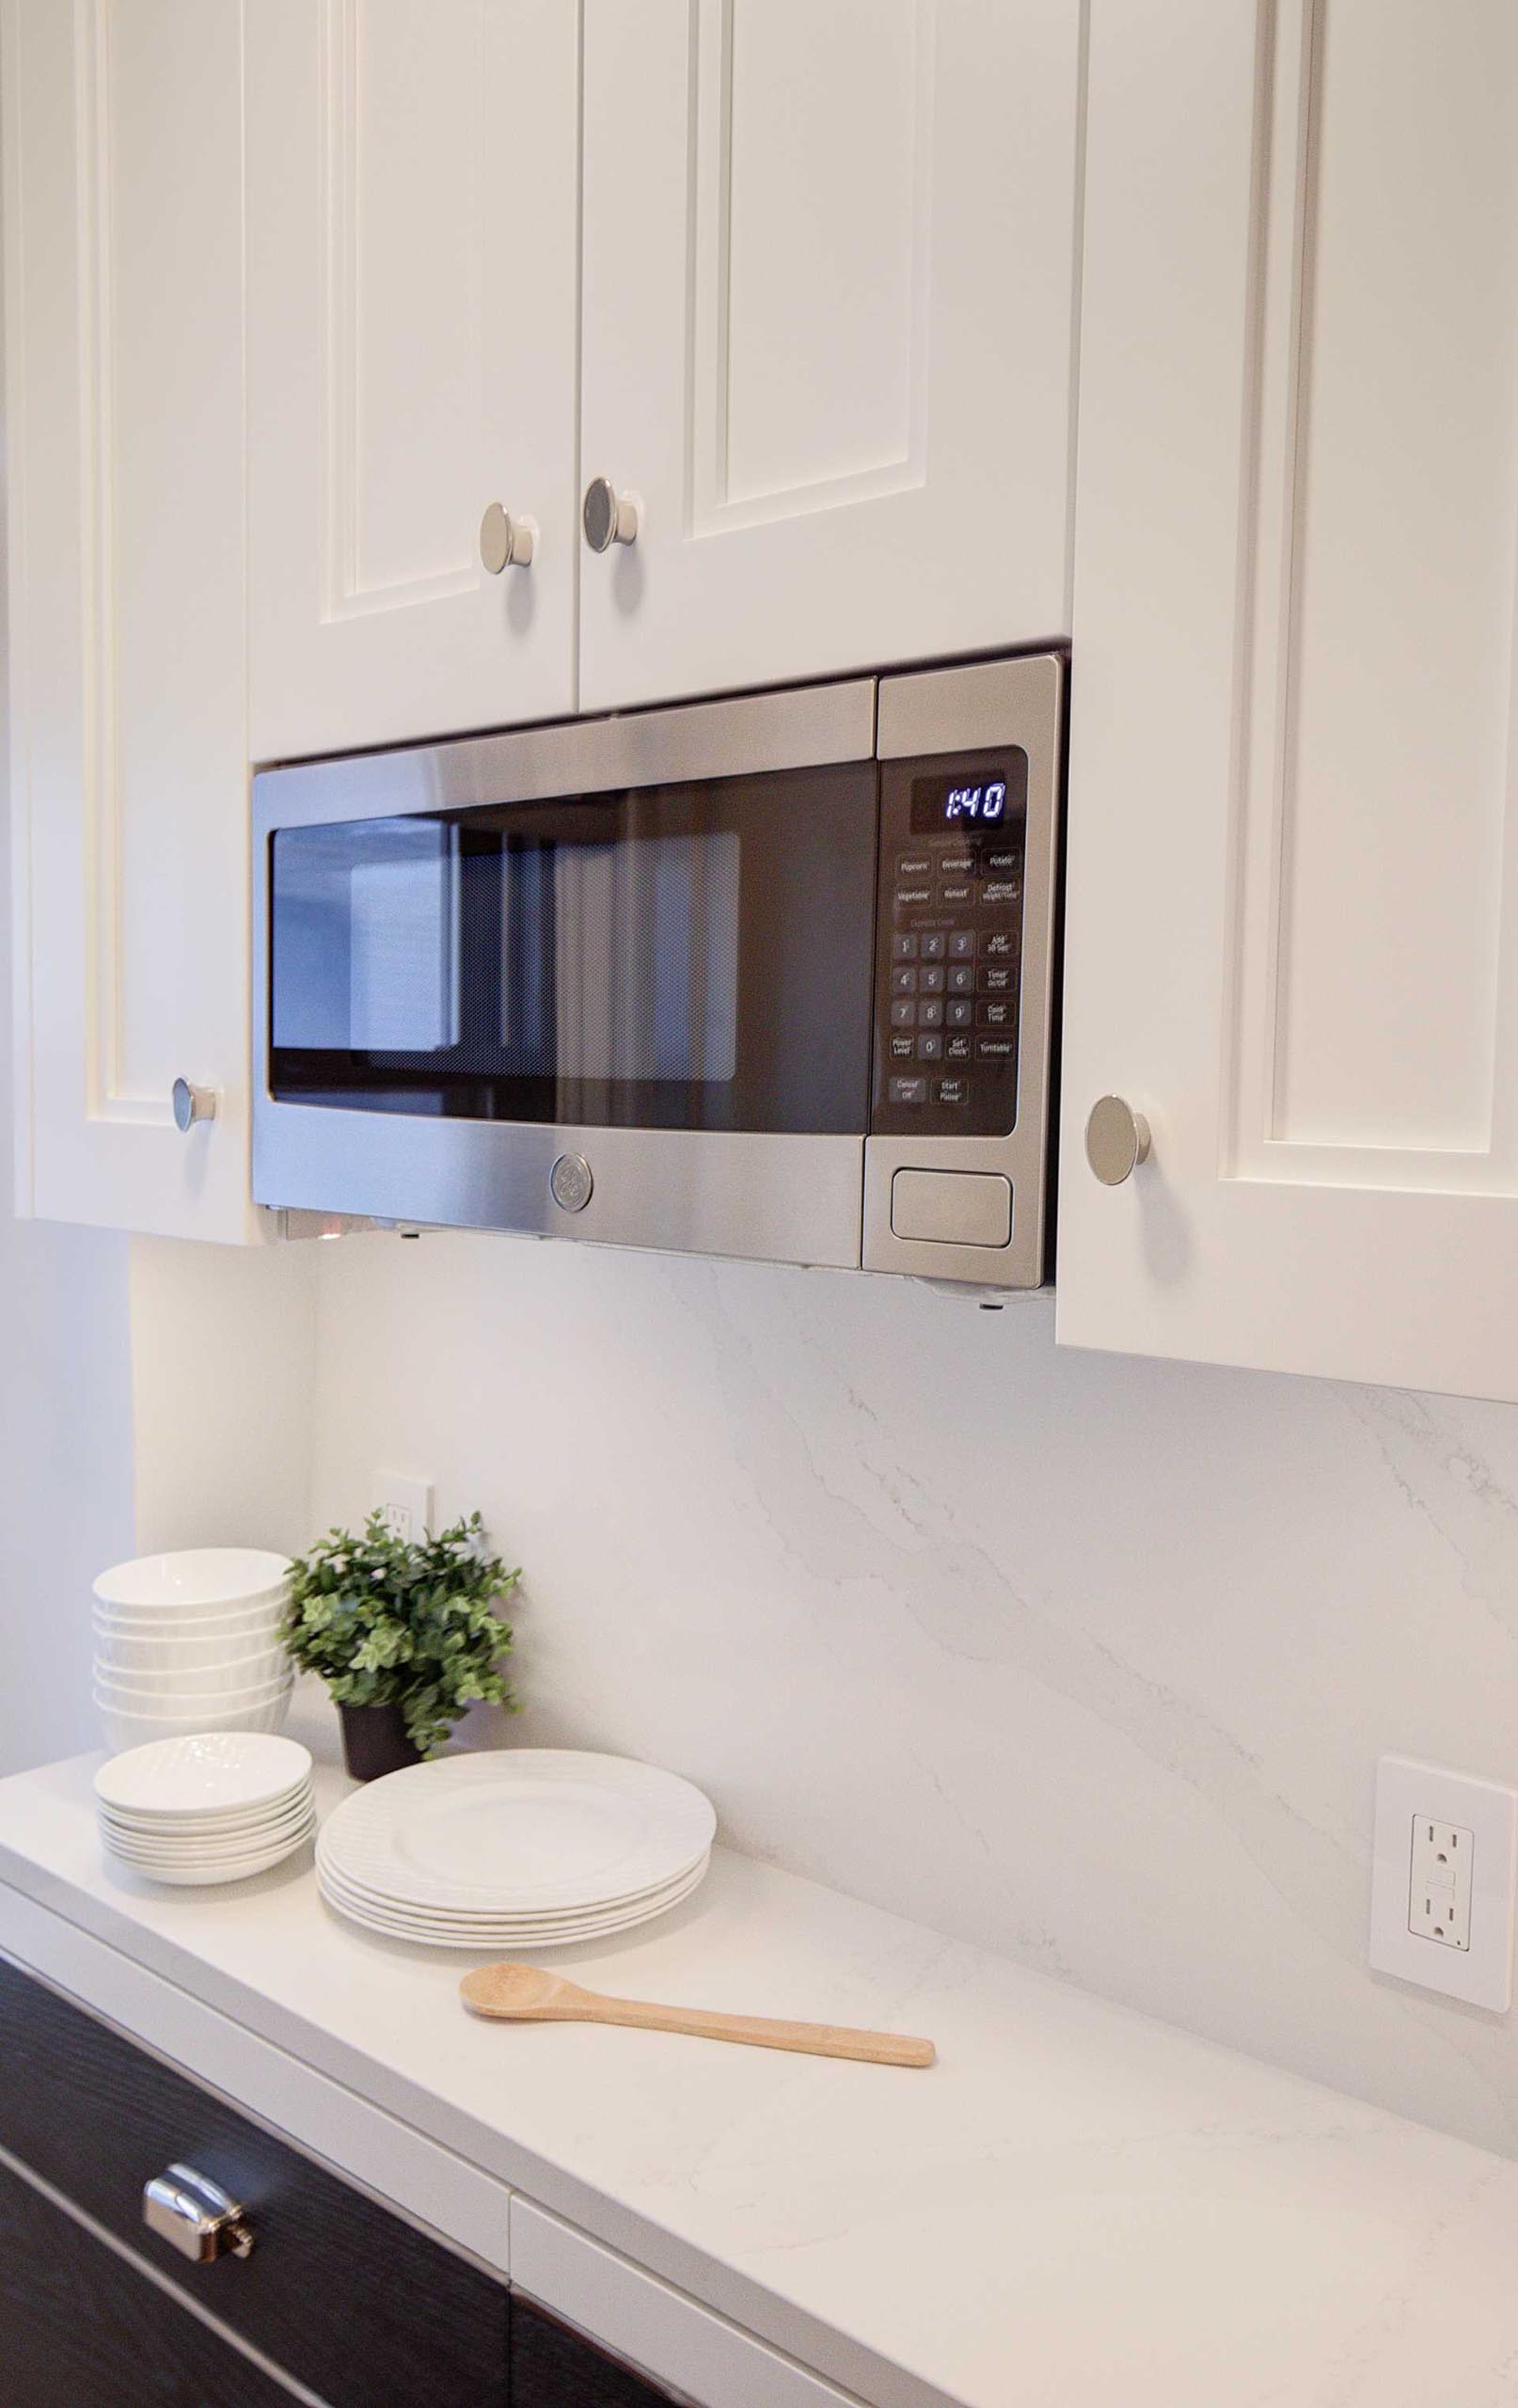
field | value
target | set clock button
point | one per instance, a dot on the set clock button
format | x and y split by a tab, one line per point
956	1049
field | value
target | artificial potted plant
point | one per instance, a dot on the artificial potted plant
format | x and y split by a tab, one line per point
405	1634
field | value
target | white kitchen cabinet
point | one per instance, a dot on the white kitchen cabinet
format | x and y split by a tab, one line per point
128	754
412	193
828	261
1293	934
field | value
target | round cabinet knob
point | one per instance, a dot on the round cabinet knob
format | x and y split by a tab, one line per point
193	1103
506	542
1116	1140
608	516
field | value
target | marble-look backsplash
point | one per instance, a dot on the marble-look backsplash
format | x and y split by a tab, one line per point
1085	1658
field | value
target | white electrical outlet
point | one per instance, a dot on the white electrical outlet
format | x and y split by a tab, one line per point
1442	1881
1439	1898
405	1502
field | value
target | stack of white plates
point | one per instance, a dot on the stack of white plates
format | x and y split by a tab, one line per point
214	1807
191	1642
530	1849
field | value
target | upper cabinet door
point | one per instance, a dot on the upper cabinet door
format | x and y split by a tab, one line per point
1292	874
827	298
413	194
129	765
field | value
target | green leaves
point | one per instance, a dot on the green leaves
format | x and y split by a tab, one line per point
408	1622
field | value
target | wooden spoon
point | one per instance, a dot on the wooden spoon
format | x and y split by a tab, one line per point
520	1993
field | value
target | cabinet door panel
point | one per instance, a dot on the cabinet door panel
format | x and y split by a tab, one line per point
828	280
78	2325
413	193
123	328
1293	901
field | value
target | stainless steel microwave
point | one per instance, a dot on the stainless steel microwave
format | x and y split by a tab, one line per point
770	976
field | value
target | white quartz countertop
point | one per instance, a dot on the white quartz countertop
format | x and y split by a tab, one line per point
1076	2207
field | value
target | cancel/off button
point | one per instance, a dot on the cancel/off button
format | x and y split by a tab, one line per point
952	1207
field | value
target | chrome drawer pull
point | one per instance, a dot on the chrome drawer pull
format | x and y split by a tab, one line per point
195	2215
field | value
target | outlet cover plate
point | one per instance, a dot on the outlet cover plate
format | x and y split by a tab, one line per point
1487	1810
405	1501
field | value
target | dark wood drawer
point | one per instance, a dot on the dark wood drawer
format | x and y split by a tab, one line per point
80	2328
553	2367
338	2292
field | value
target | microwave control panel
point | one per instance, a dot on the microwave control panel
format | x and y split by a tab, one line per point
949	945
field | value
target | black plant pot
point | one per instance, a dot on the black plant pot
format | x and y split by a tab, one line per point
375	1741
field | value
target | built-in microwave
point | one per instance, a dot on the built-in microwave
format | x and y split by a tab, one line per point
770	976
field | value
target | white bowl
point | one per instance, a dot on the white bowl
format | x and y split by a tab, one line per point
202	1875
124	1730
168	1621
203	1775
188	1704
231	1676
203	1851
132	1657
246	1824
194	1579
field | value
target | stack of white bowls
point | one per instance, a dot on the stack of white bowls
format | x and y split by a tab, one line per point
191	1642
218	1806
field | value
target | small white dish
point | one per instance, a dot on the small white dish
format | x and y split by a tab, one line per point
211	1825
204	1772
300	1827
195	1577
210	1876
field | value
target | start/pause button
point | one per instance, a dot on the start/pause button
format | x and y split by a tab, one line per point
952	1207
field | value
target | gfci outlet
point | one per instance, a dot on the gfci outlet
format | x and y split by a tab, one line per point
405	1501
1442	1882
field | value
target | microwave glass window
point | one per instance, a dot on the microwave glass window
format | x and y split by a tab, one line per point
961	800
675	957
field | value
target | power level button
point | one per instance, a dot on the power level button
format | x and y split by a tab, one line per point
571	1181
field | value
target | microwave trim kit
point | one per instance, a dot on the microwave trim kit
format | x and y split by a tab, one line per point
770	976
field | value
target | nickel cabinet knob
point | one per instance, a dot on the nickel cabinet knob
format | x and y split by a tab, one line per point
194	2216
1116	1140
192	1103
608	516
506	542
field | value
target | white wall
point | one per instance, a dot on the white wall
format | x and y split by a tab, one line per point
1085	1658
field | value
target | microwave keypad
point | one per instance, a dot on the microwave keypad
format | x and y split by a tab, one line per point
946	1040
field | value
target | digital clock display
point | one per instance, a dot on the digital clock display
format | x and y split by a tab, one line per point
964	803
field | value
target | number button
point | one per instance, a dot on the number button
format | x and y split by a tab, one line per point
904	981
930	1047
961	1012
930	981
962	945
932	945
904	947
903	1013
930	1012
961	978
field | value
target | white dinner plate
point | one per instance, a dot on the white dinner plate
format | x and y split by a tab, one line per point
507	1939
204	1771
525	1830
483	1918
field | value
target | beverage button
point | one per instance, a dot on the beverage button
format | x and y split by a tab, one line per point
962	945
913	865
998	944
956	1049
995	979
955	864
959	896
961	1012
955	1091
904	981
908	1091
995	1049
903	1013
998	1014
913	898
904	947
930	1047
931	944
